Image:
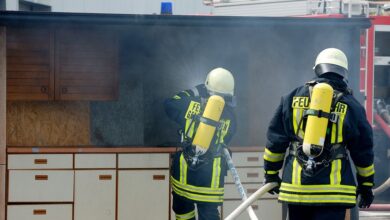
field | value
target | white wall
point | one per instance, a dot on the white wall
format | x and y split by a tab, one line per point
180	7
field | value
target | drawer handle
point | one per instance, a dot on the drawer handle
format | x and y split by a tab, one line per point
39	212
43	89
158	177
255	207
252	159
41	177
40	161
251	190
252	175
105	177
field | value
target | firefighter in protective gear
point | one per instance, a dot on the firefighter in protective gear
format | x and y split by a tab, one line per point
330	188
197	177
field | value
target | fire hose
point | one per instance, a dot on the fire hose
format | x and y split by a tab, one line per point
255	196
238	184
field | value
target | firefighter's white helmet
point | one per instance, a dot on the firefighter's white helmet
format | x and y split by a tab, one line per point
331	60
220	81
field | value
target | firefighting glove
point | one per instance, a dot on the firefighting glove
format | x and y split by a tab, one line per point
273	178
366	196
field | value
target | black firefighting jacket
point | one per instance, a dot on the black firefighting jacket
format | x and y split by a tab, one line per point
335	183
206	183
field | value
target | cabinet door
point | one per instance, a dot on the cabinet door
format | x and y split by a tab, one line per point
143	194
30	68
86	64
95	195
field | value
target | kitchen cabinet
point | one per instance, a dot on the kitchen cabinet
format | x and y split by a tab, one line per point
86	64
95	187
143	191
40	187
30	64
62	64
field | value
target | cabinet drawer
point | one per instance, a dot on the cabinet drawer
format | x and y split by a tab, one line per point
95	161
40	186
264	209
39	212
40	161
248	159
247	175
231	191
143	161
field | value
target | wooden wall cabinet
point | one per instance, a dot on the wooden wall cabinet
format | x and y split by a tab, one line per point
86	64
30	64
61	64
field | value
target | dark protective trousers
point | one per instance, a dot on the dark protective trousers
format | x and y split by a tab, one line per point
300	212
183	207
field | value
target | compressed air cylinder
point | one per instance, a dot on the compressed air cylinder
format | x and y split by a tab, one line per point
205	132
315	131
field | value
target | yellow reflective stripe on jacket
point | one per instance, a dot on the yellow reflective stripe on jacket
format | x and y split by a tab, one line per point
273	157
197	197
366	171
296	174
335	198
216	173
335	173
340	110
183	170
224	130
186	216
287	187
297	115
197	189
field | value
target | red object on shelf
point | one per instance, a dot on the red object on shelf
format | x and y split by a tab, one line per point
385	127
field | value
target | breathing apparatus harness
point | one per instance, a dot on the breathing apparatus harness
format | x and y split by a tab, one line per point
326	154
194	159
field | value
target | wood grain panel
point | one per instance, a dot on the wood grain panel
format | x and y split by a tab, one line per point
30	66
83	54
48	123
3	92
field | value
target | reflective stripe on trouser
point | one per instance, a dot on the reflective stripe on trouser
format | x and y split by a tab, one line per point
186	216
317	193
195	193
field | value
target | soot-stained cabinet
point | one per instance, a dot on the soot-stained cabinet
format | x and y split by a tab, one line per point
62	63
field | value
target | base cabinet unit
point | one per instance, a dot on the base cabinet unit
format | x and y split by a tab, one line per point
143	186
95	187
143	194
39	212
95	195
